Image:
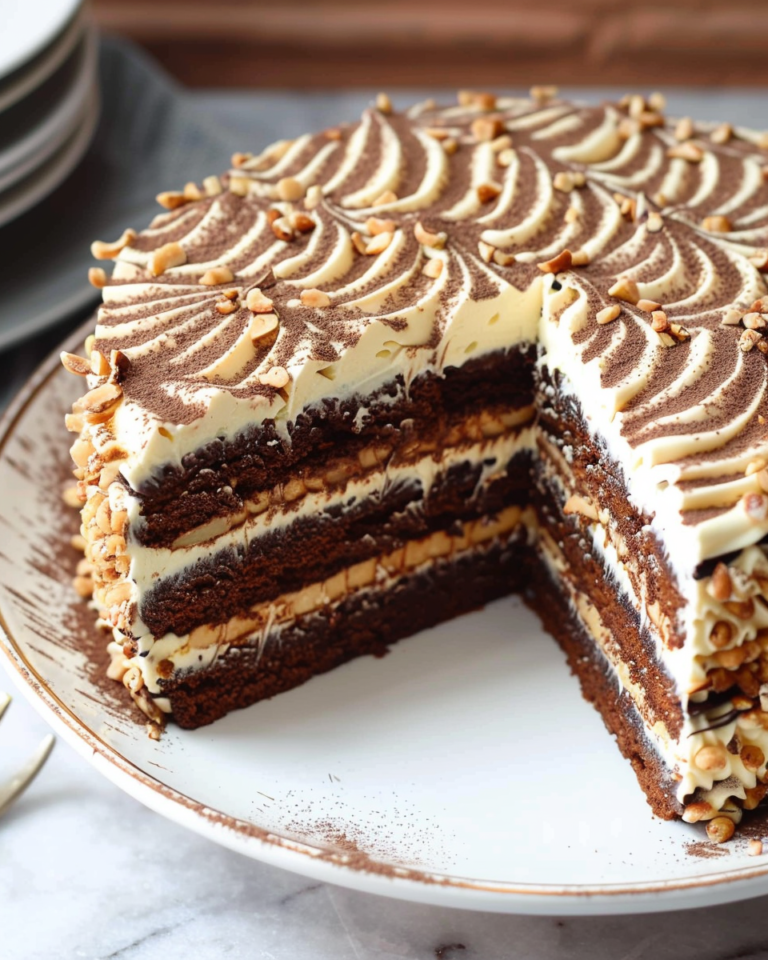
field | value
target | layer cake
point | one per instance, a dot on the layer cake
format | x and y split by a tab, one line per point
376	377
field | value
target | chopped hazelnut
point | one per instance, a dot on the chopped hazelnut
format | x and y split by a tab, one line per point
542	94
212	186
257	302
433	268
108	251
648	306
240	186
721	635
99	364
608	314
487	192
626	290
720	829
756	507
450	146
302	223
97	277
695	812
711	757
505	158
563	261
166	257
171	199
375	226
654	223
720	585
748	339
754	321
289	189
315	298
276	377
429	239
486	129
716	224
215	276
314	197
101	399
262	325
72	363
379	243
485	250
282	229
686	151
721	134
752	757
732	317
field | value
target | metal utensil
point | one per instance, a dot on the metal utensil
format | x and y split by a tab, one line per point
18	784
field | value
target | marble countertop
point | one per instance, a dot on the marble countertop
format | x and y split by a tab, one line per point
87	872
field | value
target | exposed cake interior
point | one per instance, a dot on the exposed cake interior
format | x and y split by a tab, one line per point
335	400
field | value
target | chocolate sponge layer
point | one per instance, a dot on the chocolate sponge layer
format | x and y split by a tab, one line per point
218	478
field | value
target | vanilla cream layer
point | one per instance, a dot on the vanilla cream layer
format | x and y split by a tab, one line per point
159	657
150	565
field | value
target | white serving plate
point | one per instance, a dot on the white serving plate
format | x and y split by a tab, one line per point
27	78
28	26
463	769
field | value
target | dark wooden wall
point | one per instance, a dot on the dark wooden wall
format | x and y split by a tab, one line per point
494	43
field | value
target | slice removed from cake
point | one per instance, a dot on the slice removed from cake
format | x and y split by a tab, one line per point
376	377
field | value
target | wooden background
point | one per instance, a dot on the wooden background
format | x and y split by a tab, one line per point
494	43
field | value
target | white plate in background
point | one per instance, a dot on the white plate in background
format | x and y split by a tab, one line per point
28	26
463	769
27	78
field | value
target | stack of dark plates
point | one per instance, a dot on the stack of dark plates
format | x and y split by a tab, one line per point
48	98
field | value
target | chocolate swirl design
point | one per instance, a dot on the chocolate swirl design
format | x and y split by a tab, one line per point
511	184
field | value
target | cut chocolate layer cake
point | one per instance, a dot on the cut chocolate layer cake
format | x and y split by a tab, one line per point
374	378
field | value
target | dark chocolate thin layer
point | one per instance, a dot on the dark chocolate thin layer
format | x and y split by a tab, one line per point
316	547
